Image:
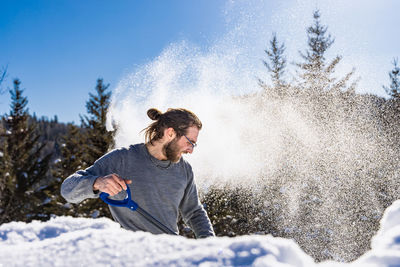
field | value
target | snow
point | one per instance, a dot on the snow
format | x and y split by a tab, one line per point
386	243
67	241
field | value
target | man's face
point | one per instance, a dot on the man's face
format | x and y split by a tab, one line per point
180	145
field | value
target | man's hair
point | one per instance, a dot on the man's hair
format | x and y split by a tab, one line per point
179	119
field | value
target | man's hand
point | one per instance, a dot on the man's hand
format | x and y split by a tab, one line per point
111	184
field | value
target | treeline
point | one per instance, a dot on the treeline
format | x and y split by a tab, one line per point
37	154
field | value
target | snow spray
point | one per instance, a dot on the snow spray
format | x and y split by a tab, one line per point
251	139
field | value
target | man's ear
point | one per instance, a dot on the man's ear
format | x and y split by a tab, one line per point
170	133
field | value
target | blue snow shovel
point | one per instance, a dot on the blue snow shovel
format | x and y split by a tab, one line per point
132	205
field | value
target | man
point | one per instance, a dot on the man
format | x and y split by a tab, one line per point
160	180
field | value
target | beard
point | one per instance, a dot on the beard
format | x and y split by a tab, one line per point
171	150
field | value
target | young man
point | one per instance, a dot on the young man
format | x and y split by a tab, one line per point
160	180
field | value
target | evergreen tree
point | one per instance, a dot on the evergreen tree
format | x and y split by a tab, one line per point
100	141
3	75
72	153
97	142
275	65
4	160
392	113
394	89
22	195
315	72
235	211
71	148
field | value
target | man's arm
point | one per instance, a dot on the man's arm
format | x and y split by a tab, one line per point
79	186
193	212
97	178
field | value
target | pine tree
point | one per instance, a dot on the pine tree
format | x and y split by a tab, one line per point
25	180
98	141
392	113
315	72
4	160
275	65
71	149
394	89
72	153
3	75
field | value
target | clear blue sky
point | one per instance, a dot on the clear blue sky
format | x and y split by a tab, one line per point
58	48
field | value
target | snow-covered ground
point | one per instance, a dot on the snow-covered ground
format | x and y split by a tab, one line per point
66	241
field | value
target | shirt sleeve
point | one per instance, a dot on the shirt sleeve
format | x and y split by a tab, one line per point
193	212
79	186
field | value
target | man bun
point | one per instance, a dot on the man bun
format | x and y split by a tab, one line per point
154	114
179	119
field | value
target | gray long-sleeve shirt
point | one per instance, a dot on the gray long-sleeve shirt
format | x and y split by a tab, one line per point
162	188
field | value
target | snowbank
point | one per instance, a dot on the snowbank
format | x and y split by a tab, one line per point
386	243
66	241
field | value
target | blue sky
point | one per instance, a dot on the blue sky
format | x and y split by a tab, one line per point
59	48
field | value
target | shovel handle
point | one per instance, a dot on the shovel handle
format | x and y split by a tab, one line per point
127	202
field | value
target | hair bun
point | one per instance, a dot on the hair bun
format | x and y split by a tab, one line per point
154	114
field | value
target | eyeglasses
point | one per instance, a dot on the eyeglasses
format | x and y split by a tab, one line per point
193	144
